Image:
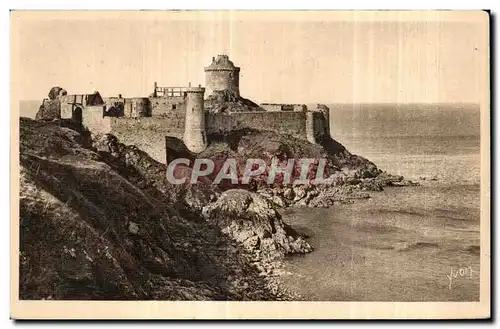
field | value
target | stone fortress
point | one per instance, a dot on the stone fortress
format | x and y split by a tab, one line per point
185	113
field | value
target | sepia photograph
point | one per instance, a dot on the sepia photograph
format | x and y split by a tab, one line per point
250	164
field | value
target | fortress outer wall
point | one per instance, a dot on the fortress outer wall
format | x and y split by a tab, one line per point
292	123
148	134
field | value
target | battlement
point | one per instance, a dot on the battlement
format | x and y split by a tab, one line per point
221	63
198	89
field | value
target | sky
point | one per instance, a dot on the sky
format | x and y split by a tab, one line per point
283	58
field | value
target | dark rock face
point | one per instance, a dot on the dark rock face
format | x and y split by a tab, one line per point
251	220
227	101
49	110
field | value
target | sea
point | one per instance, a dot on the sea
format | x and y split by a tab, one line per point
416	243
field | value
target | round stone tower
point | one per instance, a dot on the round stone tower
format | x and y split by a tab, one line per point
195	136
222	75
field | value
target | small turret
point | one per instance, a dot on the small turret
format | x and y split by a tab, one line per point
195	137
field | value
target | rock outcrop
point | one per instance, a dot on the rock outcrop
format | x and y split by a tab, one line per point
51	108
250	219
228	102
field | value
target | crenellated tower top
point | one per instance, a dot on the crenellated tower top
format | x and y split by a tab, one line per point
222	63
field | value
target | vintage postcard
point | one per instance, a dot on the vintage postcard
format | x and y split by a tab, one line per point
250	165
